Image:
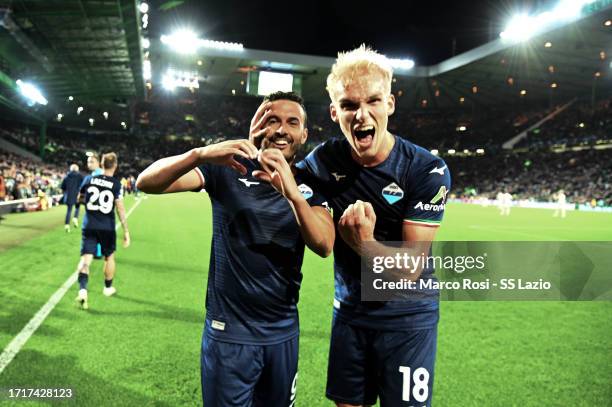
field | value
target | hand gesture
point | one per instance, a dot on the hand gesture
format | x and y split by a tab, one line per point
258	129
278	173
223	154
357	224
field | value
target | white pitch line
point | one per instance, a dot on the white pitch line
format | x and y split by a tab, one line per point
13	348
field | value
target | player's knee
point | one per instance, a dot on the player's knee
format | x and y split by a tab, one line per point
83	267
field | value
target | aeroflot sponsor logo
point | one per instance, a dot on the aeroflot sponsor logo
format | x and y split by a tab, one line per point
432	205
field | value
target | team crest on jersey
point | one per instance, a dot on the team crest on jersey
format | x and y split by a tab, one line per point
305	190
392	193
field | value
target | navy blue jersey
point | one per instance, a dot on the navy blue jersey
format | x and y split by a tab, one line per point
256	258
70	185
410	186
100	193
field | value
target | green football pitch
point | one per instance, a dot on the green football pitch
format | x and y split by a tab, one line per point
142	346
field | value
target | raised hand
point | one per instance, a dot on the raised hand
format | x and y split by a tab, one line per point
258	129
278	173
223	154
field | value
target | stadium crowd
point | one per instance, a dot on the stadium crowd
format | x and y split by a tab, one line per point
21	178
169	128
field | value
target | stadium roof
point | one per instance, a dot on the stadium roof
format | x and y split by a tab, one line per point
559	64
88	49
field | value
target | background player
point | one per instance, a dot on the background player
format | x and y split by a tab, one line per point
93	165
561	201
101	195
380	187
70	185
250	341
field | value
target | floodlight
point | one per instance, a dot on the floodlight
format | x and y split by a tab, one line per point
31	93
144	7
403	64
182	41
168	82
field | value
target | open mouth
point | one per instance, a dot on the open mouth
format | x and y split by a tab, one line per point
280	142
364	135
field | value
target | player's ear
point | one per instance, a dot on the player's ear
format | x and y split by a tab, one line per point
390	104
333	112
304	136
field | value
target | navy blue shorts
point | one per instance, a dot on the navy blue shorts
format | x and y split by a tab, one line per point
248	375
397	366
91	238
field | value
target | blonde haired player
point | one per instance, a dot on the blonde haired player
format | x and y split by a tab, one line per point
381	187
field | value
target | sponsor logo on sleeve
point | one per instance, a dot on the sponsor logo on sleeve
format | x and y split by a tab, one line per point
436	204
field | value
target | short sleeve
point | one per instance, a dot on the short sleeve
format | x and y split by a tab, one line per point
312	195
429	185
207	179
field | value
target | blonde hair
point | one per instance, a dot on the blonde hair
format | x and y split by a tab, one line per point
109	160
354	65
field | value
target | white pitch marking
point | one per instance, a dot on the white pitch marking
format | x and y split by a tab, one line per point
13	348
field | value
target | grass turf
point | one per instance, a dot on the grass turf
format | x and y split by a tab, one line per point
142	346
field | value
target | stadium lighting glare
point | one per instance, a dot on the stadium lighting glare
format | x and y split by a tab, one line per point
168	83
607	23
200	62
144	7
547	44
435	152
522	26
466	151
146	69
523	92
461	128
581	125
480	151
31	93
146	43
105	114
233	91
452	151
59	117
91	122
70	98
187	42
123	125
182	41
402	64
553	85
461	99
79	109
